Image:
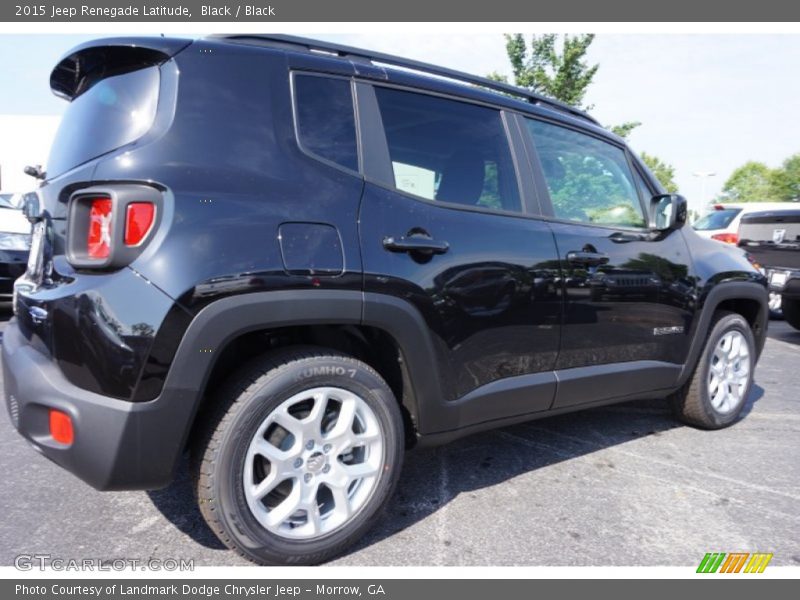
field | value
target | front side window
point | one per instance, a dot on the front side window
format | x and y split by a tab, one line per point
448	151
589	180
326	124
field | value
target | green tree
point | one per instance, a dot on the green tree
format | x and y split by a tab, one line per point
664	172
752	182
623	130
563	74
786	179
560	73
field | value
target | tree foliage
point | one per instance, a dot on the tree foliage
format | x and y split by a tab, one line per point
623	130
562	71
752	182
756	182
664	172
563	74
786	179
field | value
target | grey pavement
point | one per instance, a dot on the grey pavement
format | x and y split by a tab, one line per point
622	485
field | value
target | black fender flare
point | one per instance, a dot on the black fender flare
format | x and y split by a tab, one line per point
733	290
228	318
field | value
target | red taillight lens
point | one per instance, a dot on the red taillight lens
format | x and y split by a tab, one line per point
98	240
61	427
728	238
138	221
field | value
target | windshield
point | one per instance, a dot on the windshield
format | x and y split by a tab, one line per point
718	219
112	113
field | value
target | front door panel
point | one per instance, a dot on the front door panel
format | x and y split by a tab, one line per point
636	306
490	302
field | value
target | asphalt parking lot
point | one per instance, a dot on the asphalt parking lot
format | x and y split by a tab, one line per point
623	485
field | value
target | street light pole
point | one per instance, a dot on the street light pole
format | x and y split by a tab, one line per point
703	175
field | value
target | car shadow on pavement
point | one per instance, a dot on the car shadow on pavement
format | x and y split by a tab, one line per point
178	505
432	477
785	333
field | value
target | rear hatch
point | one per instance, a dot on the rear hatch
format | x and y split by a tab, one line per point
113	87
772	237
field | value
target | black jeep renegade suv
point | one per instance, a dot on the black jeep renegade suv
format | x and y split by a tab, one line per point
295	263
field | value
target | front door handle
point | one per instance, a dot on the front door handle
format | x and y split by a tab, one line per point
587	259
415	244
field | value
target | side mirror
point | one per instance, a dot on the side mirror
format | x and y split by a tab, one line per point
668	212
31	209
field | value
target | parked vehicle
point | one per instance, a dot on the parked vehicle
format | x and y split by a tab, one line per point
773	239
296	262
15	240
722	222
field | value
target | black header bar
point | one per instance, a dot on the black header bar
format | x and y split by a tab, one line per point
39	11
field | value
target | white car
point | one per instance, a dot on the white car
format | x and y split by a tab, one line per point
722	221
15	242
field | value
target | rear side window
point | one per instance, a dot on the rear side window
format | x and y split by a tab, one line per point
114	112
326	124
589	180
448	150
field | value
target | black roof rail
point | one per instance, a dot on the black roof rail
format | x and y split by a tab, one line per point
350	52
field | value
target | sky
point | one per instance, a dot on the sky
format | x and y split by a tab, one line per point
707	102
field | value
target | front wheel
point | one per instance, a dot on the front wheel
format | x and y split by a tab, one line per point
304	451
717	391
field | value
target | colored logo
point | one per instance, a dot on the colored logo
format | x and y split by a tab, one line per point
734	562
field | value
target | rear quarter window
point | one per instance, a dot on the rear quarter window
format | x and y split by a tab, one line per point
114	112
325	119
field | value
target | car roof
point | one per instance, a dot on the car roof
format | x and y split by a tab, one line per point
355	61
394	69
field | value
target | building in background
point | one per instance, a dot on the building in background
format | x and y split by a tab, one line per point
24	140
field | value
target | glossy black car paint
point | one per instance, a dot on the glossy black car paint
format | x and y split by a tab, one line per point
499	328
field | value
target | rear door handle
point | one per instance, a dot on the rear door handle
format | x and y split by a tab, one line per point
418	244
587	259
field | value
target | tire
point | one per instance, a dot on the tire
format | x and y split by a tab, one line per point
791	311
699	403
258	414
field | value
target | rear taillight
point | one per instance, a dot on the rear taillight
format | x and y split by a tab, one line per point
98	238
108	227
139	219
728	238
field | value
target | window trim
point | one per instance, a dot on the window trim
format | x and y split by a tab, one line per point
293	74
523	187
548	211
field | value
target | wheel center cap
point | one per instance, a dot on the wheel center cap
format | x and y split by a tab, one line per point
315	462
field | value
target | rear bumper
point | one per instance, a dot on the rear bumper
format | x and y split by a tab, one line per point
117	444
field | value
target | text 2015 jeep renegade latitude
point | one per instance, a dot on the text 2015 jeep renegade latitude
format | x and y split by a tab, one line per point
295	261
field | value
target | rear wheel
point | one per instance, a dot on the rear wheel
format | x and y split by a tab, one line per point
717	391
791	312
303	452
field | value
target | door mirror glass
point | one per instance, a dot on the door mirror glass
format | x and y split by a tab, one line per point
30	207
668	212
